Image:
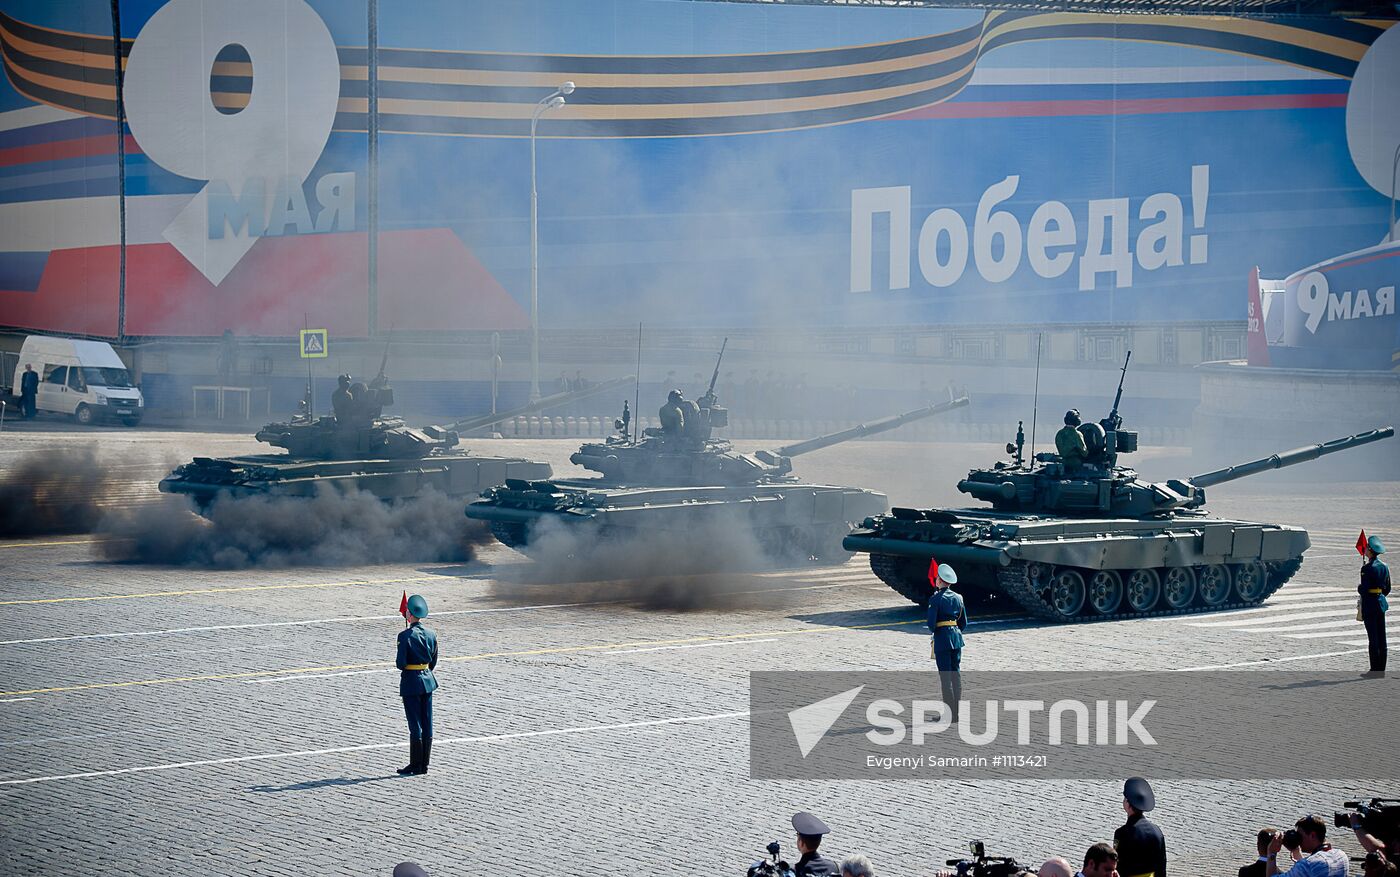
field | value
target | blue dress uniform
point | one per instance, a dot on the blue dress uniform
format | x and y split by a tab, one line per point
1374	588
947	619
417	656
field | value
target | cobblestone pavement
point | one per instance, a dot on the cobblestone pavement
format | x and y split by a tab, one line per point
162	720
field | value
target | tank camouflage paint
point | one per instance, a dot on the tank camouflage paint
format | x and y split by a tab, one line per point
1094	542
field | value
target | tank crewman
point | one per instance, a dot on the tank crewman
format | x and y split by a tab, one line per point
340	399
1142	851
1374	588
418	655
810	830
672	415
1069	444
947	619
694	421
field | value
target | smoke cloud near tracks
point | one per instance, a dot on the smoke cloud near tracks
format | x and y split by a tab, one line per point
53	492
333	528
709	566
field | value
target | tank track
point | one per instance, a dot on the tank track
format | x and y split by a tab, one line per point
887	568
1014	581
510	535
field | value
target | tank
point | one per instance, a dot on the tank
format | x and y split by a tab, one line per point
683	481
1094	541
361	448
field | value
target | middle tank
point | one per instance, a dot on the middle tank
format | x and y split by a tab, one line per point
681	482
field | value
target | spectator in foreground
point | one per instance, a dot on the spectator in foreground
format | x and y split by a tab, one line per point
1319	859
1100	860
1055	867
1261	864
856	866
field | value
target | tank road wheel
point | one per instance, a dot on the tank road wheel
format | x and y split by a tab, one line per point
1179	587
905	576
1105	591
511	535
1214	584
1067	592
1144	587
1251	581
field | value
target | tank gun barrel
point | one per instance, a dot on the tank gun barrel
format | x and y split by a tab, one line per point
1289	458
485	420
865	429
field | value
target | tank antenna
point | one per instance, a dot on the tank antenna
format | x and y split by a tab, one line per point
1035	400
637	394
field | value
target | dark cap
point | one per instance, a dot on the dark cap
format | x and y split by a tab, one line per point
1137	792
409	869
806	823
1072	417
674	394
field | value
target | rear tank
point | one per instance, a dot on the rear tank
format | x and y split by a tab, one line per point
359	448
1074	541
684	484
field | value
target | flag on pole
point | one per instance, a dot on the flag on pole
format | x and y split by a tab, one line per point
933	571
403	606
1361	544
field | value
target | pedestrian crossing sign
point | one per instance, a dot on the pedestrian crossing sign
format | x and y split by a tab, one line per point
313	344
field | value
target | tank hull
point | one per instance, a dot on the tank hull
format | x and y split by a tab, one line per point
1091	569
458	475
786	518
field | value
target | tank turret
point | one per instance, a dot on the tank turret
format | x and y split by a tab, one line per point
689	459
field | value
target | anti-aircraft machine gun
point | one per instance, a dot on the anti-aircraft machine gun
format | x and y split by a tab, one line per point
1095	541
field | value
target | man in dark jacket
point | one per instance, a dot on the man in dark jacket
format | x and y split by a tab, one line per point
810	831
28	391
418	655
1142	851
1259	866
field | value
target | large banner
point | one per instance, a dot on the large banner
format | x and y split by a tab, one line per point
715	164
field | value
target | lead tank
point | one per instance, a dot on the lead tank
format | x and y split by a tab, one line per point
361	449
1094	542
684	483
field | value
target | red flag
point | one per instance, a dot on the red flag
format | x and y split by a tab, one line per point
1361	544
933	571
403	606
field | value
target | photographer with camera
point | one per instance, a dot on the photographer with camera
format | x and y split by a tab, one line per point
1375	865
1259	866
1376	824
1318	857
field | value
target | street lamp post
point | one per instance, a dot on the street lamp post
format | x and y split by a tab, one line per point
547	103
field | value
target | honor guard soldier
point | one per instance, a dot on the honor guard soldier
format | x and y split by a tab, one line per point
1142	851
1374	588
947	619
810	830
418	655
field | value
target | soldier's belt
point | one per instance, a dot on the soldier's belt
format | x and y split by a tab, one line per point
1374	591
946	624
1145	874
415	666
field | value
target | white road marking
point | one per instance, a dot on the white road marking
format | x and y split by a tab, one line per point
319	675
367	747
15	699
1271	661
1264	611
1316	625
695	646
1251	622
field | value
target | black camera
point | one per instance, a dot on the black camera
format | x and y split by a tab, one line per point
1379	816
983	865
771	866
1291	839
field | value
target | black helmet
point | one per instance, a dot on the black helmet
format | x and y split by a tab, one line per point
1072	417
344	380
674	395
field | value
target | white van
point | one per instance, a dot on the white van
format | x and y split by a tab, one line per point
83	378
